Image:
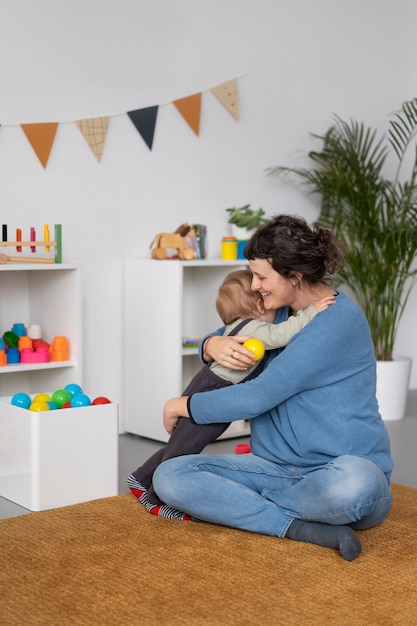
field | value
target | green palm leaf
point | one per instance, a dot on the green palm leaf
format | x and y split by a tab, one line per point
373	216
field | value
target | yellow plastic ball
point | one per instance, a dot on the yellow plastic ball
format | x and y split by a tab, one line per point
256	346
42	397
39	405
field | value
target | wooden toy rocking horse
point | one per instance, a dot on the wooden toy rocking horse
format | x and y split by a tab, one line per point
175	241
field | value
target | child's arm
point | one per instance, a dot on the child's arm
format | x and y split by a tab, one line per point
278	335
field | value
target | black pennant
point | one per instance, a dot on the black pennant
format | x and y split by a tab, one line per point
145	121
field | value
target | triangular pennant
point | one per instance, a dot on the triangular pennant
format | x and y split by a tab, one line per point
94	131
41	138
145	120
226	93
190	109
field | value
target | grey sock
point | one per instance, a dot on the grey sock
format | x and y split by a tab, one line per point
341	538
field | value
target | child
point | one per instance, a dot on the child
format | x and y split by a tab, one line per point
243	313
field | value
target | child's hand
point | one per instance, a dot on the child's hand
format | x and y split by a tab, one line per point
173	410
324	303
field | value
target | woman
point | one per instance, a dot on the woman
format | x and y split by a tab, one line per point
320	465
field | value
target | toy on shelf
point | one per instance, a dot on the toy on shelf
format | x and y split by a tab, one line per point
27	346
46	244
174	241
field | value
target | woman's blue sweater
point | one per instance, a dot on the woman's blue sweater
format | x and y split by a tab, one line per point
315	399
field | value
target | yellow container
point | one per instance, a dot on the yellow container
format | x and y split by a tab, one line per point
229	249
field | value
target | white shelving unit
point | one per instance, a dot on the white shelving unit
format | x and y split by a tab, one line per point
48	295
165	301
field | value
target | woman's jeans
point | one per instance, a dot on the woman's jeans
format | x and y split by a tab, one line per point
248	492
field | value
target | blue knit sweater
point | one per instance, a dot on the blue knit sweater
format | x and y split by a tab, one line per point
315	399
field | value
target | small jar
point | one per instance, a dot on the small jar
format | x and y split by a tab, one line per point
229	249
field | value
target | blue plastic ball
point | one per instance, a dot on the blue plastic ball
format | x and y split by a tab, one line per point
52	405
23	400
80	399
73	388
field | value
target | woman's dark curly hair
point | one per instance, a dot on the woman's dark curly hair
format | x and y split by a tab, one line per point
291	245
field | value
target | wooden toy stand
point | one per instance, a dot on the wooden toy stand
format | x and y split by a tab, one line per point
57	245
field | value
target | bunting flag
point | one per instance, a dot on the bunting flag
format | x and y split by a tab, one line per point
190	109
145	121
94	131
226	93
41	138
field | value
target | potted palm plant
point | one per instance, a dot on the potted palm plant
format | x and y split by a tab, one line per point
374	216
245	220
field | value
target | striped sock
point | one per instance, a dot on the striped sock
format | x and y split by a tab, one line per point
137	489
167	512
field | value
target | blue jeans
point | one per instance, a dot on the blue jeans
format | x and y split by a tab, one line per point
248	492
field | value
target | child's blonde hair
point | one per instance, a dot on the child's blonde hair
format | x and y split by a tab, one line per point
235	298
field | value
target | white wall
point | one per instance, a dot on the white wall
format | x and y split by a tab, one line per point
297	63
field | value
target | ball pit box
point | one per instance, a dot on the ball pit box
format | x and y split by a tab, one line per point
50	459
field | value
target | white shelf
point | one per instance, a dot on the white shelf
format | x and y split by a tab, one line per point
165	301
32	367
48	295
35	267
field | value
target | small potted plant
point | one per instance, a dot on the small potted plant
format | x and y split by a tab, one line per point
245	221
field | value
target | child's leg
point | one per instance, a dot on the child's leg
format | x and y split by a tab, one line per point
187	438
145	472
191	438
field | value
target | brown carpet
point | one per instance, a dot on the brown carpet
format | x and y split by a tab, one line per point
108	562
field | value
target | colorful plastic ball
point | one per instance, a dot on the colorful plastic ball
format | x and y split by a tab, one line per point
22	399
39	405
52	405
101	400
80	399
73	388
43	397
256	347
66	405
61	396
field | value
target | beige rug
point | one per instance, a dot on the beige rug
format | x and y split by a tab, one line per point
109	563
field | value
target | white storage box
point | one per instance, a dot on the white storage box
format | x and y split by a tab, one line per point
50	459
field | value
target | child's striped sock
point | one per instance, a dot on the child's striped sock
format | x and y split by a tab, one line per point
137	489
167	512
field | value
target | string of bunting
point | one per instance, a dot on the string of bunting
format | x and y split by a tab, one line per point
41	136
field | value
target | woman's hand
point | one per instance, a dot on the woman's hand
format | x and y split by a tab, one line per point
173	410
228	351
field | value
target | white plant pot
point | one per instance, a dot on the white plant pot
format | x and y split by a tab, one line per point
392	380
241	233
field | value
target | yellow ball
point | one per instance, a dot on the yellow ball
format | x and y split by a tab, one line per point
256	346
42	397
39	405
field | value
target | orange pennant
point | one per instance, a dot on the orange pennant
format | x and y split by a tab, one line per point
94	131
226	93
41	138
190	109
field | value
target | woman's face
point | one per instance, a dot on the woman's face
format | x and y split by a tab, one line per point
276	290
